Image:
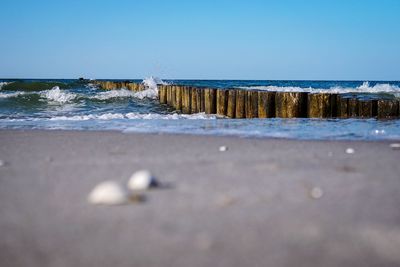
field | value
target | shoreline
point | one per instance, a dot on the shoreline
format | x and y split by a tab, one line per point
263	202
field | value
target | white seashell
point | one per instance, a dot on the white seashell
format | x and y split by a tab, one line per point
223	148
142	180
350	150
395	146
316	193
108	193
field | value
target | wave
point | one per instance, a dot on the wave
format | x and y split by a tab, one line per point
364	88
117	93
10	95
3	84
151	90
134	116
56	95
32	86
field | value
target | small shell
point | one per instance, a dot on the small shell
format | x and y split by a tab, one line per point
108	193
395	146
316	193
142	180
350	150
223	148
2	163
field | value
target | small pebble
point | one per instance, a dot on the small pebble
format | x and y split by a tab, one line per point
2	163
108	193
223	148
395	146
142	180
330	154
350	150
316	193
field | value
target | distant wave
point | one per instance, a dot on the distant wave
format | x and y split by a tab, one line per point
10	95
31	86
134	116
3	84
364	88
117	93
57	95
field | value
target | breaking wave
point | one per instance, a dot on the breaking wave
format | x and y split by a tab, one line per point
110	94
57	95
134	116
10	95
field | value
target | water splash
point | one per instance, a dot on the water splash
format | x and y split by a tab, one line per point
57	95
151	90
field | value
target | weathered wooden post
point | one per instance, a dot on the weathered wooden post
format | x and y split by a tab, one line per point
231	106
162	94
320	105
291	104
367	108
169	94
388	109
178	97
222	102
266	104
251	104
240	104
342	107
186	100
353	107
173	96
209	101
194	100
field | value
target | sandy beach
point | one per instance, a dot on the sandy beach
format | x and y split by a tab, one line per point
263	202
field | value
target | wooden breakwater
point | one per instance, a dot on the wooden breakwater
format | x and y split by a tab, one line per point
240	103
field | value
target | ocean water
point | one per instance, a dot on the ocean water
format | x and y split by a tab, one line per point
79	105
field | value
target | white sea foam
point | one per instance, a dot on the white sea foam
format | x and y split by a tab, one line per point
14	94
117	93
57	95
151	90
134	116
2	84
364	88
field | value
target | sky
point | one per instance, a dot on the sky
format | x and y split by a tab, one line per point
202	39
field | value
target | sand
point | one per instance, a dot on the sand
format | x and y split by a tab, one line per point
262	202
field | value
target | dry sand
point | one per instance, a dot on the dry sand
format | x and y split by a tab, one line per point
260	203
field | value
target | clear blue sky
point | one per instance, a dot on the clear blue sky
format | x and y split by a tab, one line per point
204	39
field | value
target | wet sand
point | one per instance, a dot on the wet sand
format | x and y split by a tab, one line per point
261	203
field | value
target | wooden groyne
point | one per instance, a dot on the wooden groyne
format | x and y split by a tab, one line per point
241	103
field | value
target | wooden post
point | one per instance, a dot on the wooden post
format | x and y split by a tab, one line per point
291	104
222	102
342	108
202	100
169	94
162	94
320	105
178	95
266	104
240	104
186	99
194	98
251	104
209	101
231	106
388	109
353	107
367	108
173	96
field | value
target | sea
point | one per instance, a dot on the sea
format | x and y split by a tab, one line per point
71	104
